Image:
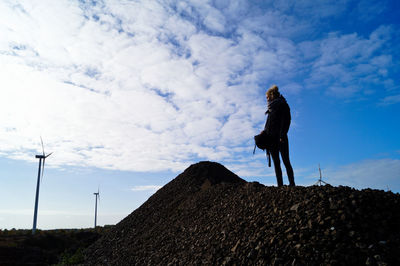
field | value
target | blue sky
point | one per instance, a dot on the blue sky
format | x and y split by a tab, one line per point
128	94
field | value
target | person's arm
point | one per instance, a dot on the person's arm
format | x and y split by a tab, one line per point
284	122
282	132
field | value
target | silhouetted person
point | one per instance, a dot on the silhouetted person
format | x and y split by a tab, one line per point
277	127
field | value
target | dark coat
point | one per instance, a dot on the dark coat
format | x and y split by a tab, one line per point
278	121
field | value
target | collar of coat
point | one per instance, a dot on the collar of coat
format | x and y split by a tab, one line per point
275	103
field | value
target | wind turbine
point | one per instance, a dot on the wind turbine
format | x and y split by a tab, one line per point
42	159
97	194
320	182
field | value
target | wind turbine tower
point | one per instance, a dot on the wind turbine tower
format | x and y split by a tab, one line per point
42	159
97	194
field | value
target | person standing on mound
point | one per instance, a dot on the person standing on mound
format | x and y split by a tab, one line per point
277	127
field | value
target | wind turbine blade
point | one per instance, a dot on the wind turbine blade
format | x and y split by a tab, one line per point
48	155
41	140
98	192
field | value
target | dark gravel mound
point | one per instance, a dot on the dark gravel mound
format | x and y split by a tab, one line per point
208	215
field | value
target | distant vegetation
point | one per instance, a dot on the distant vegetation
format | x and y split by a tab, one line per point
59	247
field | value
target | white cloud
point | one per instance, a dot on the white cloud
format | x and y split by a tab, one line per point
145	86
56	212
215	20
388	100
377	174
117	99
151	188
368	10
55	219
314	9
350	65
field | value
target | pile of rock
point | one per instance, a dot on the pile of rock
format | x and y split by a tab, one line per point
208	215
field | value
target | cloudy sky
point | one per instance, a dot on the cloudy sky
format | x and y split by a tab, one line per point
128	94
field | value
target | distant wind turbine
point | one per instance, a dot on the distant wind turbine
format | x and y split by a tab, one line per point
320	182
97	194
42	159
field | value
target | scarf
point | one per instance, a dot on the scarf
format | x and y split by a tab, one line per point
270	104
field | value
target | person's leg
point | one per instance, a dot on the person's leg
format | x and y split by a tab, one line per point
284	149
277	166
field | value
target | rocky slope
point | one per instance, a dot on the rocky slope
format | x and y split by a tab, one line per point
208	215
